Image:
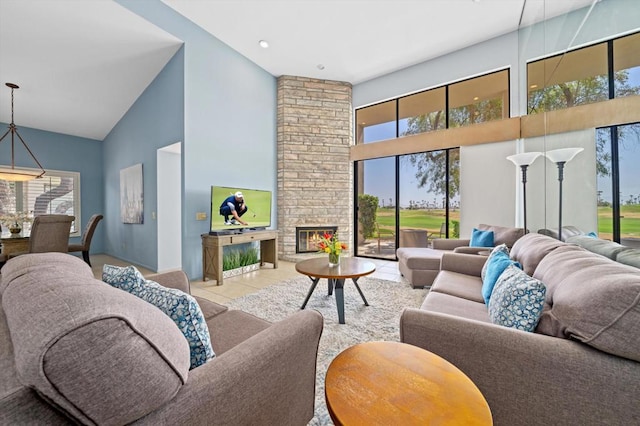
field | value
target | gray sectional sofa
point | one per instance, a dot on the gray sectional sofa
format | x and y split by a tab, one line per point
76	350
581	366
420	265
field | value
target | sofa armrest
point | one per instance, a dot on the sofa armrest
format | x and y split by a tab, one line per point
559	381
449	244
173	279
268	379
469	264
472	250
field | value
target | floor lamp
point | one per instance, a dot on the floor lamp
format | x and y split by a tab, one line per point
561	157
524	160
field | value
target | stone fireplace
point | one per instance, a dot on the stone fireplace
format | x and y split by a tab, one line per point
308	237
315	173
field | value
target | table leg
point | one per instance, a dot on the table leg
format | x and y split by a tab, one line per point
340	299
355	282
313	286
331	285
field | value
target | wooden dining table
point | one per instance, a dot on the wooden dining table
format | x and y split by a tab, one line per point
14	243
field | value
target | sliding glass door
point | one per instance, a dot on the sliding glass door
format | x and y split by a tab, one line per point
618	156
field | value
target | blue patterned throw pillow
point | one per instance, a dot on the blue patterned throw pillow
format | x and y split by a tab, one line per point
517	300
181	307
125	278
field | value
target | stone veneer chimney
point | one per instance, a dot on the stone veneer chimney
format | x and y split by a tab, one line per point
315	176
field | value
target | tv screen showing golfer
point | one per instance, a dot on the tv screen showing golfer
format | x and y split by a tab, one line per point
236	208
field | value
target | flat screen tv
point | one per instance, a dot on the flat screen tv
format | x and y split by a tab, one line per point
257	214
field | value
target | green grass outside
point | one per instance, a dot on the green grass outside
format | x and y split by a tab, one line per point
431	220
629	222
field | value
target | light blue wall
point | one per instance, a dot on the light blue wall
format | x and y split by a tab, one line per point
229	122
56	151
155	120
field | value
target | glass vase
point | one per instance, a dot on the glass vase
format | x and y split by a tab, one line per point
334	259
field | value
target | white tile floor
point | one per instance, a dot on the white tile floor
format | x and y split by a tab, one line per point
247	283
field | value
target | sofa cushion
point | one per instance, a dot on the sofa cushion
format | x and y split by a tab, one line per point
481	238
459	285
517	300
503	234
604	248
531	249
591	299
181	307
456	306
629	257
99	354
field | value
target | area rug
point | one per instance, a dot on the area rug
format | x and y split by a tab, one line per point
378	321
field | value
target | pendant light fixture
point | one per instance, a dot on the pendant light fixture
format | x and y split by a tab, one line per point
14	173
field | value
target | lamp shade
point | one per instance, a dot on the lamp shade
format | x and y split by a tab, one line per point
524	158
563	155
17	174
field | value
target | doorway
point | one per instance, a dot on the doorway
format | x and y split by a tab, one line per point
169	219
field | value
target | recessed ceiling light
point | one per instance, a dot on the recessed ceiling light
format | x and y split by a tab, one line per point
533	86
320	66
263	43
475	98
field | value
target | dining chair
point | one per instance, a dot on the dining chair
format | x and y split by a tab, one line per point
49	233
87	235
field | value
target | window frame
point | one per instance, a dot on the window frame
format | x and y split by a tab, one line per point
76	196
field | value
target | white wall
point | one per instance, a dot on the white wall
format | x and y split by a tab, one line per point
579	200
487	189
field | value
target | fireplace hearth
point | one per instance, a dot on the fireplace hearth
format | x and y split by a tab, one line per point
308	237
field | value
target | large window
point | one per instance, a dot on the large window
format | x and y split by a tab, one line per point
56	192
415	192
479	99
584	76
376	123
418	193
429	192
422	112
626	65
475	100
617	156
376	208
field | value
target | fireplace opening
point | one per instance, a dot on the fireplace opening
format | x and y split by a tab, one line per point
308	237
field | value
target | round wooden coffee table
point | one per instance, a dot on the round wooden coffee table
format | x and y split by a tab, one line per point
384	383
349	267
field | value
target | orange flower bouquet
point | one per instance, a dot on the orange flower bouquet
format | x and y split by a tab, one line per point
330	244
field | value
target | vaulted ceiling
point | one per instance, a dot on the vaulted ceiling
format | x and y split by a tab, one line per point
81	65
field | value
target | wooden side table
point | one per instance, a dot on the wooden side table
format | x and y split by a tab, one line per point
392	383
212	249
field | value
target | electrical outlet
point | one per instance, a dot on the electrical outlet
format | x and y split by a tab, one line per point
153	215
201	216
